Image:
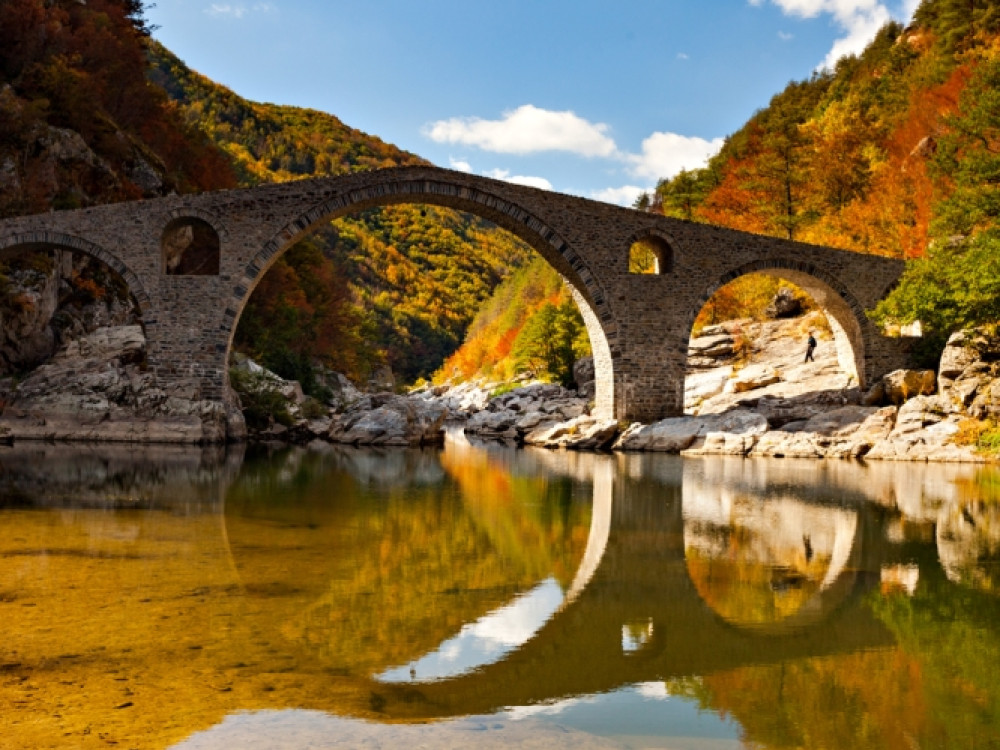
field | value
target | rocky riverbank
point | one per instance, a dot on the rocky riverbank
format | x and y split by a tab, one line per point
748	394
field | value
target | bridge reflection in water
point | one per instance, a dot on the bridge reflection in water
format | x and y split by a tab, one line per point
407	586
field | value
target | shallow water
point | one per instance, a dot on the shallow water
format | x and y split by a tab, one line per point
317	598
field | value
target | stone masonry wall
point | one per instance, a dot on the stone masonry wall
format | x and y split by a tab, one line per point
644	320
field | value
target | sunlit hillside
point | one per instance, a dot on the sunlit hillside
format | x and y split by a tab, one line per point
893	152
416	275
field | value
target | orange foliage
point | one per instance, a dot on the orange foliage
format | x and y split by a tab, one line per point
879	701
905	185
82	66
731	204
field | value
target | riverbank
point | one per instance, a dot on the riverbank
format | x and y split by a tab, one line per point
748	393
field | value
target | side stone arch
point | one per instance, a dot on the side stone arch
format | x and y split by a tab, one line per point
588	293
56	240
854	335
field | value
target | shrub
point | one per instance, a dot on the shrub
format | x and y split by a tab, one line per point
262	402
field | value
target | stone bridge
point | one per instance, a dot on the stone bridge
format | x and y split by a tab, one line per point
192	261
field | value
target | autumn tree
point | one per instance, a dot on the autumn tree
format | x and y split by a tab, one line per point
967	157
551	342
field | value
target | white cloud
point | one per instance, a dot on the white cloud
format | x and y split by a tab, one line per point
860	20
237	10
657	690
622	196
526	130
861	29
908	9
505	175
666	154
529	130
785	36
682	56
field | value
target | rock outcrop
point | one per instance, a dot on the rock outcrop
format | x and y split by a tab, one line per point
388	419
970	372
530	409
51	298
784	305
96	389
736	429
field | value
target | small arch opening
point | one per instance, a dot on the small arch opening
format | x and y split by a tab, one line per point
651	255
190	247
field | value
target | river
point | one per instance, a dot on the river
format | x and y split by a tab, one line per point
492	597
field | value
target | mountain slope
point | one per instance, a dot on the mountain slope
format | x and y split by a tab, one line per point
79	126
417	274
893	152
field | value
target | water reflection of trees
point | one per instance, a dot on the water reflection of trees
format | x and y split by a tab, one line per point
336	569
379	571
930	528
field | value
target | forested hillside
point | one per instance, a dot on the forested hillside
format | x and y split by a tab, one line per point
93	111
411	277
895	152
79	122
81	125
530	325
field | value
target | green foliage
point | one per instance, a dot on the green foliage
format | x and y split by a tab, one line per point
680	195
423	272
989	443
552	339
958	24
262	403
968	157
313	408
956	285
491	345
302	312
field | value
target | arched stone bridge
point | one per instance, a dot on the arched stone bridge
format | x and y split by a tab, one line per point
639	325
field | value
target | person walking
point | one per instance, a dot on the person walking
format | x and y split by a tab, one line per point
810	346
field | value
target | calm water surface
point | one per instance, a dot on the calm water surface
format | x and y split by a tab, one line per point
487	597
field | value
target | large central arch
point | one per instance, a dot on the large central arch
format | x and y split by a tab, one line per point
587	292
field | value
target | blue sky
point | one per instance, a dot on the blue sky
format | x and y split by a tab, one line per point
589	97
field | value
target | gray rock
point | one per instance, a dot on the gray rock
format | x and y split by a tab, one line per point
581	433
394	420
753	377
528	409
94	389
10	180
584	377
900	385
958	355
719	345
784	305
677	434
